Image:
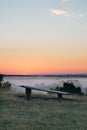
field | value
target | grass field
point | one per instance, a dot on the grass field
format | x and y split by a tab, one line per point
42	112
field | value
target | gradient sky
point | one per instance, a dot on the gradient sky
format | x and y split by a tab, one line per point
43	36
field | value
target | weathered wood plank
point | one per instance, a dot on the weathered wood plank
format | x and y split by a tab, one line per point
28	90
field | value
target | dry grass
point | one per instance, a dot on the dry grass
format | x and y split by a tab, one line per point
42	112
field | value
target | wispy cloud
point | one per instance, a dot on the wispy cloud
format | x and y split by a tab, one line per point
59	12
66	13
65	0
80	15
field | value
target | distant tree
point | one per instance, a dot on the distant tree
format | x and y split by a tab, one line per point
1	78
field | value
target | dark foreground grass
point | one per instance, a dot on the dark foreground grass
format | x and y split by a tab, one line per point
42	112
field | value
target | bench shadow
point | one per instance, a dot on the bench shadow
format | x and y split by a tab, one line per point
47	98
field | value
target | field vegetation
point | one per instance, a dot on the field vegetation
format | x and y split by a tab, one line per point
42	112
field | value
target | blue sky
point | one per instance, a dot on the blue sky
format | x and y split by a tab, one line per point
21	18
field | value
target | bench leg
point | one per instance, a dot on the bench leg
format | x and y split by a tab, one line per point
27	93
59	97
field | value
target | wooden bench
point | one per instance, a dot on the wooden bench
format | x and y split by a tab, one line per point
28	91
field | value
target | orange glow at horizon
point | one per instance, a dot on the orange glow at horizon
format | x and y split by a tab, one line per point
44	61
42	67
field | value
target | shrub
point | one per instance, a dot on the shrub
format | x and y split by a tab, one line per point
4	85
69	87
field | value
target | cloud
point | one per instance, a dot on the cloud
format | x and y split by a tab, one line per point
80	15
59	12
77	15
65	13
65	0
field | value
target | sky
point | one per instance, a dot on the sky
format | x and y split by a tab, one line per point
43	36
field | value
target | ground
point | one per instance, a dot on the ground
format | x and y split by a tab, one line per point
42	112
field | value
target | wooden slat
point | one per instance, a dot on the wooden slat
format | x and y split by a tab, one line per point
46	90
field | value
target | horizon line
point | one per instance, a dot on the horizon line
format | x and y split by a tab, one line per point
72	75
